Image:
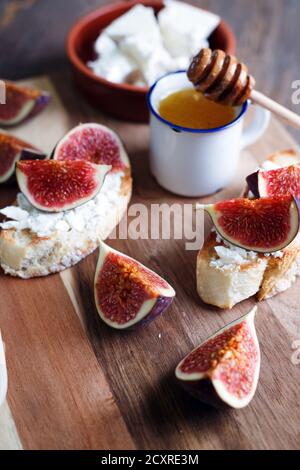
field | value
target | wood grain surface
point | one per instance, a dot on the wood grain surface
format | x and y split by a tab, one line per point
34	31
76	383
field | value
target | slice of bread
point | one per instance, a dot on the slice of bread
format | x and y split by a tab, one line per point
227	275
35	243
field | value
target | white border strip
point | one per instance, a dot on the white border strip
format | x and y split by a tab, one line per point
3	373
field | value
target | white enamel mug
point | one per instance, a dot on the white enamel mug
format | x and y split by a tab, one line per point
197	162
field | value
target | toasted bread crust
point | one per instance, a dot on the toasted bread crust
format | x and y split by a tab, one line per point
284	157
277	269
226	287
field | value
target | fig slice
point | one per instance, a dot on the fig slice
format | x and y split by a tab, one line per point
21	103
263	225
224	370
94	143
277	182
126	292
58	186
12	150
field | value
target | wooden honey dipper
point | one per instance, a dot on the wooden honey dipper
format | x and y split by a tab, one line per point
221	78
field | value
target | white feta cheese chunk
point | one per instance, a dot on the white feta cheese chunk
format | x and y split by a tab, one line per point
104	45
139	48
185	28
180	63
158	65
275	254
9	224
152	59
62	226
75	220
14	213
139	20
230	256
115	67
196	44
44	223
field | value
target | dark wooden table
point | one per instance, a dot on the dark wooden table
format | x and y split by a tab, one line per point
74	383
65	391
32	34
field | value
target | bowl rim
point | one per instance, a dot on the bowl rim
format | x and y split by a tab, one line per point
86	19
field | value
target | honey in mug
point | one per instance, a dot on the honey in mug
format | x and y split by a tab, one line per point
189	108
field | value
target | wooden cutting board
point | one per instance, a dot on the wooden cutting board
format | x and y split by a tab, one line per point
76	383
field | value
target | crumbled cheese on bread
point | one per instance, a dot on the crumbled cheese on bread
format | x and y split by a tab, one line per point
230	256
82	218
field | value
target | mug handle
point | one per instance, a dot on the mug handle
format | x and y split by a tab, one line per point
257	127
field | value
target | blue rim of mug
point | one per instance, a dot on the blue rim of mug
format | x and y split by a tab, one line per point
189	129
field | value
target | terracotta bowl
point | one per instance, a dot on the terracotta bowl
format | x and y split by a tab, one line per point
119	100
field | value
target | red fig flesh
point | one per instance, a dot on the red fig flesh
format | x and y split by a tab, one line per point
94	143
58	186
12	150
126	292
277	182
225	368
21	103
263	225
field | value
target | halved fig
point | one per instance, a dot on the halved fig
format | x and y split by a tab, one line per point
21	103
126	292
224	370
277	182
263	225
94	143
12	150
58	186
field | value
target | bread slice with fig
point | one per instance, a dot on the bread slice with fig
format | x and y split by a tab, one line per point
227	274
36	239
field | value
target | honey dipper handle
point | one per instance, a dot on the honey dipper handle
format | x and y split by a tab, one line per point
288	116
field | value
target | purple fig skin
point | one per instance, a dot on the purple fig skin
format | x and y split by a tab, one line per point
161	305
52	154
31	154
40	104
297	202
42	101
252	181
204	391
